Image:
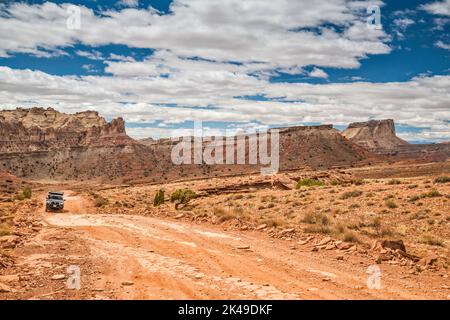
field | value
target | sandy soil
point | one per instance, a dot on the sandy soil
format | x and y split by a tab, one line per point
138	257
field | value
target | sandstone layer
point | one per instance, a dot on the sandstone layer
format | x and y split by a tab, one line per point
379	137
45	144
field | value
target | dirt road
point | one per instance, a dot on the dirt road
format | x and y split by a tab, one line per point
136	257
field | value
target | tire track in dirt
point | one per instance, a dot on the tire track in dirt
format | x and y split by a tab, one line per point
173	260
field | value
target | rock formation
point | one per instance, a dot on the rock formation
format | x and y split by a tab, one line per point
379	137
374	134
42	143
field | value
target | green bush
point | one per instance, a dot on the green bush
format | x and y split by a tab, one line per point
159	198
182	197
27	193
309	183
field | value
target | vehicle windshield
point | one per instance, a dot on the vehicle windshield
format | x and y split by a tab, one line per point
55	197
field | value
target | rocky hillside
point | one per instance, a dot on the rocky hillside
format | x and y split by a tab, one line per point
38	129
374	134
44	144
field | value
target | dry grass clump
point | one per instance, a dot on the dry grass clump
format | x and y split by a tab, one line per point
223	215
6	223
431	194
351	194
230	214
25	194
442	179
5	230
99	201
391	204
432	241
316	218
320	223
274	222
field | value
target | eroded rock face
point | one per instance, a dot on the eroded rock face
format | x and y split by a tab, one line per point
40	143
378	136
374	134
39	129
45	144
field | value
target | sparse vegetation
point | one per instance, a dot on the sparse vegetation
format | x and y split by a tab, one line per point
432	241
442	179
351	194
391	204
25	194
431	194
223	215
358	182
393	182
316	218
307	182
99	201
350	237
5	230
182	197
159	198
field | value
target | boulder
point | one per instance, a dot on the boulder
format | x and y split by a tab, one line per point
388	244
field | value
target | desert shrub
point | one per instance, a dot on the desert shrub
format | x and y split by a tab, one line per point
159	198
268	198
350	237
442	179
431	194
182	197
100	201
274	222
391	204
307	182
393	182
316	218
5	231
223	215
27	193
351	194
270	205
432	241
319	229
358	182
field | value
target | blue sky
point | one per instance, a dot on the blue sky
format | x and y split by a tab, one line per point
163	64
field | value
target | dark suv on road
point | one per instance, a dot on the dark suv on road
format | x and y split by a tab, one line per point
55	201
